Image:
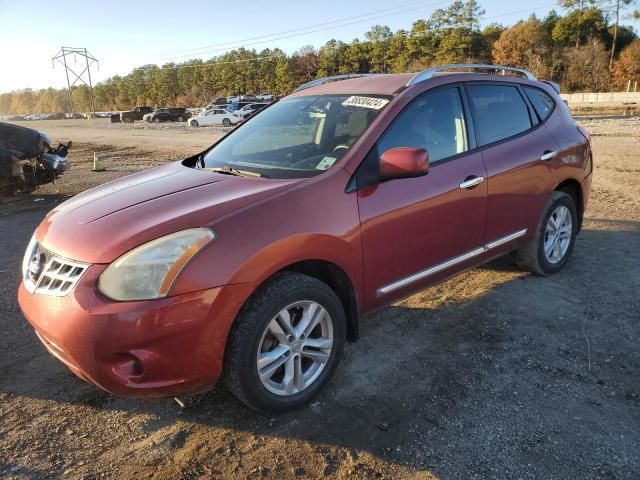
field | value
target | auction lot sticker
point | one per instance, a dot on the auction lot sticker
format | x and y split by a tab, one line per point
366	102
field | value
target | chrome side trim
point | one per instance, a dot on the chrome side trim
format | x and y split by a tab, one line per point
503	240
403	282
429	271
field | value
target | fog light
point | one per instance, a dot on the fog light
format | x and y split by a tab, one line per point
127	365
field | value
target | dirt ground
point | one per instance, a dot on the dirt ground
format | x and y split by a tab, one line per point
494	374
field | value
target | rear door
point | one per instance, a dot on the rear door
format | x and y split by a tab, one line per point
418	230
513	142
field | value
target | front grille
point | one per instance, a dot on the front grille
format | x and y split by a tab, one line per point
49	274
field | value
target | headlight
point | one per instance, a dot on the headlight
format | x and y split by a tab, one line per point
28	255
148	271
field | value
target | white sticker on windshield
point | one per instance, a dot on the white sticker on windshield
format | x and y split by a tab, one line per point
325	163
366	102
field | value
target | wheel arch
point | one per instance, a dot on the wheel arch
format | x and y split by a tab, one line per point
337	279
573	188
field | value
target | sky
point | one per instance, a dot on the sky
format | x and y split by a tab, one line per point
123	35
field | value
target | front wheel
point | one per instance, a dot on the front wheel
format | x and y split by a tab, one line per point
180	119
156	120
285	344
194	123
226	122
552	244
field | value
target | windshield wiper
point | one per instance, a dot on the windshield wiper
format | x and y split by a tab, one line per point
233	171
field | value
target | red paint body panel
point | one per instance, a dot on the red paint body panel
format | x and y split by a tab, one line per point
113	218
411	224
377	235
519	183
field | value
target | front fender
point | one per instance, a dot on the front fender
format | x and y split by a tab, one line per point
314	220
221	269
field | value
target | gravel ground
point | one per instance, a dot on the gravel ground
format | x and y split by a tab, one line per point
493	374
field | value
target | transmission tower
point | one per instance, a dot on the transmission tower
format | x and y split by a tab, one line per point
89	60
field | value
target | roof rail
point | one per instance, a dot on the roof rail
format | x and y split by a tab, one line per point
334	78
430	72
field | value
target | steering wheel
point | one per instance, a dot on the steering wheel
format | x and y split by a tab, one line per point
340	147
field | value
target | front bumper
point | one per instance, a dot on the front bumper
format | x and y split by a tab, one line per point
153	348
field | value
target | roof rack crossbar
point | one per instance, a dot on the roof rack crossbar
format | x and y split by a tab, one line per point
334	78
431	72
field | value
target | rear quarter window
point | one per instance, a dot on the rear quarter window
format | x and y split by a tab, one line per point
499	112
541	101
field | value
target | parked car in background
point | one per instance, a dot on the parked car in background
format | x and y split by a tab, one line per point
233	99
136	114
266	97
169	115
254	260
215	116
216	102
248	110
234	107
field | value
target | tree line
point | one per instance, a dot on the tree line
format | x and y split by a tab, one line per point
585	49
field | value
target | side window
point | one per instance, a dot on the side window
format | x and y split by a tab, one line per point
542	103
499	112
433	121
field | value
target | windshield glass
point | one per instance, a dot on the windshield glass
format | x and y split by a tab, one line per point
296	137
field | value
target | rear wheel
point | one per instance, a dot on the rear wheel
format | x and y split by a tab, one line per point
226	122
285	344
553	242
156	120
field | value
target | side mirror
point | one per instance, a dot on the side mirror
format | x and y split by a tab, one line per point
404	162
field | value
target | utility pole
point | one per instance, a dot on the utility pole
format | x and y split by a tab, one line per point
61	57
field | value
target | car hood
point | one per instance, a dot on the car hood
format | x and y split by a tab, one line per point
101	224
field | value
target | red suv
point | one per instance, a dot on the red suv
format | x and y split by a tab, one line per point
254	261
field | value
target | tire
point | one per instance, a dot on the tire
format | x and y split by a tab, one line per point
532	256
252	335
180	119
194	123
156	120
226	122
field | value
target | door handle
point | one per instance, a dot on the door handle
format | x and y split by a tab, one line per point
548	155
472	182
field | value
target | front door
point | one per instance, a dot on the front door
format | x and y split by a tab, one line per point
418	230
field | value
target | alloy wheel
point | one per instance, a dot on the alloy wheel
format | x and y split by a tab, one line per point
557	235
295	348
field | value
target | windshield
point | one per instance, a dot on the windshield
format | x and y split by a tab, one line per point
297	137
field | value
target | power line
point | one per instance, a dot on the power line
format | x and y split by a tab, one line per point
307	32
303	29
215	62
447	27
